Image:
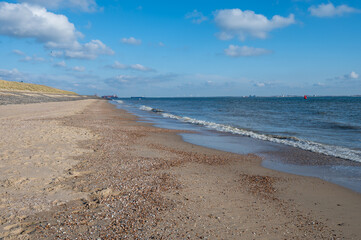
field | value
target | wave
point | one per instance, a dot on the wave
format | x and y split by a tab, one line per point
343	126
149	109
330	150
119	101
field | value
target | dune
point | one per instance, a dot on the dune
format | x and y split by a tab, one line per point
30	87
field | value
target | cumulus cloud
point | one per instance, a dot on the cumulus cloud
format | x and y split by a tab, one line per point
131	41
329	10
53	30
235	22
350	76
89	50
197	17
353	75
83	5
137	67
28	21
244	51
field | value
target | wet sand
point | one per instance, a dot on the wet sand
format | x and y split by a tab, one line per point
87	170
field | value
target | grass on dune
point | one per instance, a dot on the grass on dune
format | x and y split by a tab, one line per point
20	86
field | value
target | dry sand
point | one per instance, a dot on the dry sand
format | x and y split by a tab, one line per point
35	152
87	170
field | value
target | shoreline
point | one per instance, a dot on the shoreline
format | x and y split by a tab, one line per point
142	181
276	156
306	199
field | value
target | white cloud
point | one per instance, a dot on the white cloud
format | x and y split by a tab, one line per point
235	22
244	51
25	58
60	64
56	53
28	21
265	84
347	77
260	84
18	52
83	5
123	78
78	68
33	59
224	36
353	75
131	41
140	67
53	30
118	65
137	67
197	17
89	50
11	75
329	10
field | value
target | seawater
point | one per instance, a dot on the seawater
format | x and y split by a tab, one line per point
330	126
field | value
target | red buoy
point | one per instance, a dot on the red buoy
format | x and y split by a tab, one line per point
305	97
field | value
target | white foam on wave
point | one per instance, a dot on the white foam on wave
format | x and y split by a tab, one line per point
330	150
119	101
145	108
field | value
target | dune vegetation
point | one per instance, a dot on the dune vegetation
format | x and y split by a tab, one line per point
20	86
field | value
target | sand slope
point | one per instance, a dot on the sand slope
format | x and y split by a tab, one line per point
20	86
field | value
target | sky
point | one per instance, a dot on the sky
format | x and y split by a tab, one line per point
184	48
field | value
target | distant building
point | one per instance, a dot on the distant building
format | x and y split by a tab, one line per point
110	97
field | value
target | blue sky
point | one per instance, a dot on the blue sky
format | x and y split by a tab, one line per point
188	48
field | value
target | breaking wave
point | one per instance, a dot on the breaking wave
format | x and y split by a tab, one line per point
330	150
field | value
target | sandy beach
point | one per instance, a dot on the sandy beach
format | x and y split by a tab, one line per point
86	170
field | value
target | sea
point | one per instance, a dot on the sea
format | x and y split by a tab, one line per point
317	136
